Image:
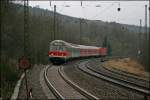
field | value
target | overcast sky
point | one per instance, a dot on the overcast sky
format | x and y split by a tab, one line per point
131	11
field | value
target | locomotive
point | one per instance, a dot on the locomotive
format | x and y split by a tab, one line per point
61	51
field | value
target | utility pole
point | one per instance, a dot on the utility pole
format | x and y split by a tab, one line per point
140	27
149	33
57	26
139	41
51	34
50	3
54	21
25	26
146	23
146	47
81	21
80	30
149	19
140	33
25	39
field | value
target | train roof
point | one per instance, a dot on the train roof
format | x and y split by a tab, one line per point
61	42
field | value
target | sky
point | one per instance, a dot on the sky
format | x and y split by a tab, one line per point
131	11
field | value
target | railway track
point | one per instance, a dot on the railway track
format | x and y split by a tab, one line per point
116	75
62	87
134	87
126	74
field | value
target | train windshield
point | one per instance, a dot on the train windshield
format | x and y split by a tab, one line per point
60	48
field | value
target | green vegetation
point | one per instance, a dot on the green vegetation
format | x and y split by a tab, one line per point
122	39
107	44
9	76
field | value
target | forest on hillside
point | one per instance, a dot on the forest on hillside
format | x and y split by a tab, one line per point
123	40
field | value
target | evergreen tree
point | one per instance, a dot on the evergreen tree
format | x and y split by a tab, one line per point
107	45
105	42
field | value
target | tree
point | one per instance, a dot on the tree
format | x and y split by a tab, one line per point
105	42
107	45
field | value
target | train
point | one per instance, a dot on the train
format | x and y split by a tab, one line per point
61	51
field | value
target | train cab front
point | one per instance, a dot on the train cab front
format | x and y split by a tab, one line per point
57	57
58	52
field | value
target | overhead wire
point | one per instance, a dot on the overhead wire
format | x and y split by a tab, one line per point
99	2
101	12
64	3
104	10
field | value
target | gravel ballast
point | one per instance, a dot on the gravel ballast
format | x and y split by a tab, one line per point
98	87
33	79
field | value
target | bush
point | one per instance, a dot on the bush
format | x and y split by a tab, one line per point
9	76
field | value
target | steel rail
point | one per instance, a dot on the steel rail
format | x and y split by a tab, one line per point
145	92
79	89
121	80
125	74
50	86
125	81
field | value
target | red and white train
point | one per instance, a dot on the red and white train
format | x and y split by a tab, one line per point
61	51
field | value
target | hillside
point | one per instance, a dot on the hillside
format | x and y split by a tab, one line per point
122	39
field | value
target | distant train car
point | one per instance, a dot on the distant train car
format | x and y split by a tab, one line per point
103	52
61	51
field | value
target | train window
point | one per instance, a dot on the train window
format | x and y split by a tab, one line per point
62	48
52	47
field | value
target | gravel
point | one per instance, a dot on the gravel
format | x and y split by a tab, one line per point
33	79
62	86
98	87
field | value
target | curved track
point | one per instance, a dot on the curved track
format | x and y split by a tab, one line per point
119	76
129	75
62	87
100	75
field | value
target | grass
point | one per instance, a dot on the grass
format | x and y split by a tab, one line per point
128	65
